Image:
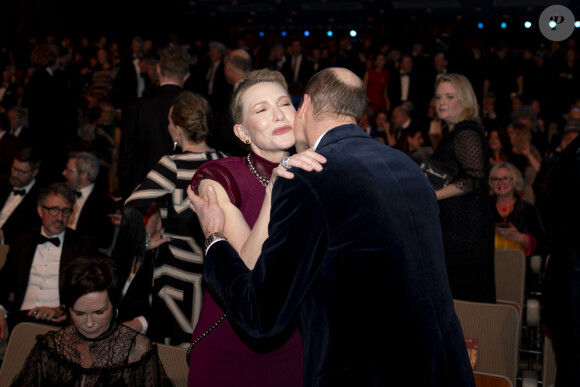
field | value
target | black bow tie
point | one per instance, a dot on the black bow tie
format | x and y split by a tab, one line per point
42	239
79	194
20	192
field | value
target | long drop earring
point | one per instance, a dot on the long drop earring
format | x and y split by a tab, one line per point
175	143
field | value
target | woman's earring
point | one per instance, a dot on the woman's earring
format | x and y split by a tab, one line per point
247	141
116	312
175	143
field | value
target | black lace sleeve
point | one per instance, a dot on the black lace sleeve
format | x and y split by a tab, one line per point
121	357
472	156
30	373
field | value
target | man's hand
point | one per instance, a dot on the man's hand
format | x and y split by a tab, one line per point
209	213
307	160
45	313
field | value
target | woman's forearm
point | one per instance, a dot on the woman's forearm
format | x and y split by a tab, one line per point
252	248
449	191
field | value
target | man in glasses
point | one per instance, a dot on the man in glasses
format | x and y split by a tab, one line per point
18	200
29	281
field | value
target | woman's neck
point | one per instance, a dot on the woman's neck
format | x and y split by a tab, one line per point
198	147
505	200
505	204
272	156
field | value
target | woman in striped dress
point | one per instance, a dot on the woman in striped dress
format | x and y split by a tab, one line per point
176	292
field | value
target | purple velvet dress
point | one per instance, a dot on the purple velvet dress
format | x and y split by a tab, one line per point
226	356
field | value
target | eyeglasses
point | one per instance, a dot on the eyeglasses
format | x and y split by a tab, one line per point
54	211
70	170
19	171
504	179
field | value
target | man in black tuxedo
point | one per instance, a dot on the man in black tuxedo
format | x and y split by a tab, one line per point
343	243
7	146
145	138
35	261
93	204
405	86
129	84
297	68
52	110
402	122
217	89
18	128
237	64
18	200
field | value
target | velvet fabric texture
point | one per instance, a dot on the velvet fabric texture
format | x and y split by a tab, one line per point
276	361
348	245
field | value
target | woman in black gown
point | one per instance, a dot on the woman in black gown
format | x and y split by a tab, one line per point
466	216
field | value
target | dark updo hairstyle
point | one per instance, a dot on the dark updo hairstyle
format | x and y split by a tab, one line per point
88	274
190	113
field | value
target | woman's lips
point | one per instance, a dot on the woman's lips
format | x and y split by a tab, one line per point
282	129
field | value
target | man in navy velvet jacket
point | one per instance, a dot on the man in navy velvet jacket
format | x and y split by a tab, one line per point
354	252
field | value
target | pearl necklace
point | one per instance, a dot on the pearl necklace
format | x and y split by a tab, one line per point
253	169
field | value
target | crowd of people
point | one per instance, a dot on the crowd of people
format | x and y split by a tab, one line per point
95	138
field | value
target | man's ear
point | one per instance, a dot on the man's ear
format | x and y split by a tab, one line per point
304	105
185	79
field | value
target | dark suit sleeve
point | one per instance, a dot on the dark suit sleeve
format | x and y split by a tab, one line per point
263	301
7	277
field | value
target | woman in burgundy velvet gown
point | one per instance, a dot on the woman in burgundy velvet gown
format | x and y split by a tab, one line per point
220	355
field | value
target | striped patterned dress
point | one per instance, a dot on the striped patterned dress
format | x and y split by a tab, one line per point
176	293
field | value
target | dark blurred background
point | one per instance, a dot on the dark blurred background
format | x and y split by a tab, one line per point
227	20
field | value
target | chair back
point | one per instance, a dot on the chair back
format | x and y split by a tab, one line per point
496	327
549	364
489	380
510	277
3	253
173	359
22	339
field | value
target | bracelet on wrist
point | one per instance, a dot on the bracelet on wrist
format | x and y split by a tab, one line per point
213	237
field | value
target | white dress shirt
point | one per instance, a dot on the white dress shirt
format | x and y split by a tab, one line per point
44	275
405	80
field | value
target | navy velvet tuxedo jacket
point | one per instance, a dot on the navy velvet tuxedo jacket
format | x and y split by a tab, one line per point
15	274
355	252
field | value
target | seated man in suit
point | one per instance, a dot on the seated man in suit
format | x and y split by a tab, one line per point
18	200
361	235
29	281
18	128
93	204
402	121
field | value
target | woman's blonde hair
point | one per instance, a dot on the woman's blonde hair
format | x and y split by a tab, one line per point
251	79
464	94
519	184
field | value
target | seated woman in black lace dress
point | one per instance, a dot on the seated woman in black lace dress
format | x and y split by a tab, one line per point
94	350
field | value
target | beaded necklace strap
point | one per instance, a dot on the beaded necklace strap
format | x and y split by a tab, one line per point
253	169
